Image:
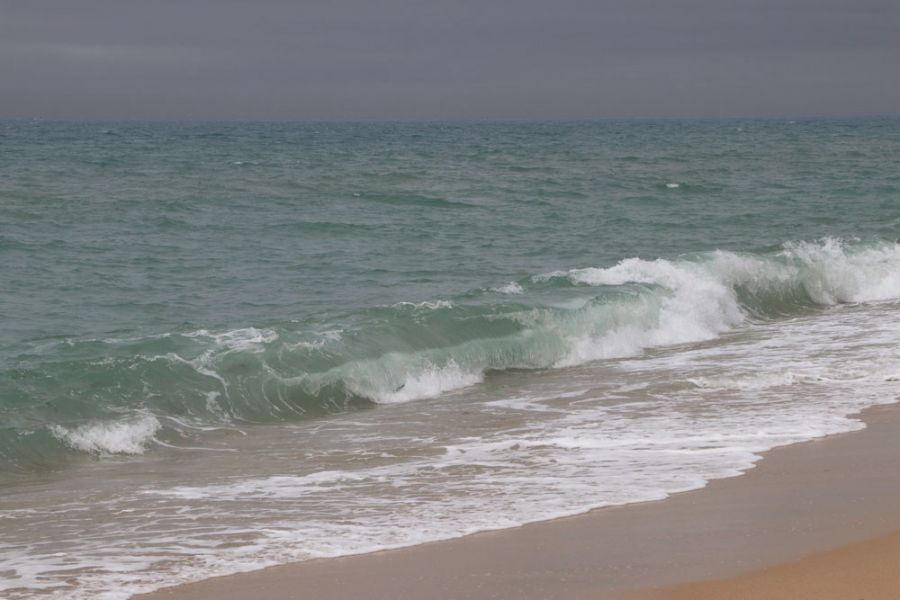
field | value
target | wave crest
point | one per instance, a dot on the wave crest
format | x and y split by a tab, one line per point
407	352
129	436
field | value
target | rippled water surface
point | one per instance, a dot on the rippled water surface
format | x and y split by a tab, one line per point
229	345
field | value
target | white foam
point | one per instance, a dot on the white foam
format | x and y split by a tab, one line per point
242	339
835	273
687	300
512	288
561	443
129	436
323	338
428	304
427	382
279	486
699	307
591	453
758	381
702	302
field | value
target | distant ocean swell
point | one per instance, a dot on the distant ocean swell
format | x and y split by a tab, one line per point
107	396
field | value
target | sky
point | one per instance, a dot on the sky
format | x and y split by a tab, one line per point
449	59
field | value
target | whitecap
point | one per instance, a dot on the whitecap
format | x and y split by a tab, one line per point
127	436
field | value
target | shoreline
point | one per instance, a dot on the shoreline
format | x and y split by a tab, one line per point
798	500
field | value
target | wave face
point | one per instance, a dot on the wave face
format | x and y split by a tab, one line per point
124	396
231	345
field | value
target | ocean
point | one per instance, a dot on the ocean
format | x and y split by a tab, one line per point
232	345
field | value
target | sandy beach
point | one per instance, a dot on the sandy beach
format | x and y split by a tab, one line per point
862	570
812	517
449	300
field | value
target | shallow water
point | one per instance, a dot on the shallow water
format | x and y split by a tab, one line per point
233	345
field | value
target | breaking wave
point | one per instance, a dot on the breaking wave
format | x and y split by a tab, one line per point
129	436
117	395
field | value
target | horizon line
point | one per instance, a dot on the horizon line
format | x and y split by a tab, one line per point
451	120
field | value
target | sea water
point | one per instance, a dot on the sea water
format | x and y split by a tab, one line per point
232	345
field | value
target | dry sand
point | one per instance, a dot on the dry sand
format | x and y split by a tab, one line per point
869	570
799	500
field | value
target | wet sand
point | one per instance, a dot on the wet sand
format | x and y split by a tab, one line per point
800	500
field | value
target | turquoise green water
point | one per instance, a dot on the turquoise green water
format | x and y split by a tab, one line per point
122	241
163	283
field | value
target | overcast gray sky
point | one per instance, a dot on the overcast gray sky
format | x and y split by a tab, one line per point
415	59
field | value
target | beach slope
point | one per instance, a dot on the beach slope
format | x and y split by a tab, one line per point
800	500
869	570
